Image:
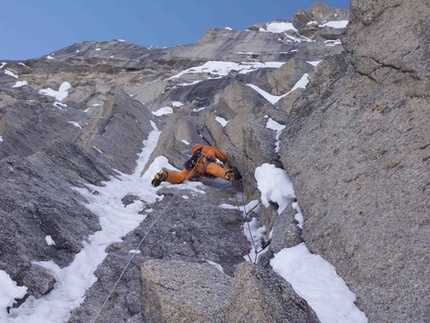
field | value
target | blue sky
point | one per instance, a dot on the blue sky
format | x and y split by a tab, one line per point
33	28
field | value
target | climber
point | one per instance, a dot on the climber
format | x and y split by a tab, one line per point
205	160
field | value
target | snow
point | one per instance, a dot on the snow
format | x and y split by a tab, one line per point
273	98
49	240
221	121
1	139
20	83
8	292
97	149
336	24
3	64
331	43
199	109
60	105
247	53
7	72
273	125
316	280
299	39
274	185
49	57
59	95
162	111
219	68
280	27
269	97
302	83
310	275
314	63
148	146
76	124
177	104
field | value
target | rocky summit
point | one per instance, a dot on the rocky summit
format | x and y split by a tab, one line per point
338	100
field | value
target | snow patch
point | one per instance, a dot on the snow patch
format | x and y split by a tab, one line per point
76	124
280	27
269	97
273	125
20	84
219	69
59	95
316	281
302	83
314	63
162	111
274	185
7	72
49	241
177	104
221	121
9	290
336	24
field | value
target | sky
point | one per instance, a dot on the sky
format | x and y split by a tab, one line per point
30	29
313	278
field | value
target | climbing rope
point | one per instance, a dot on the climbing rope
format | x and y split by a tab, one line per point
245	217
137	248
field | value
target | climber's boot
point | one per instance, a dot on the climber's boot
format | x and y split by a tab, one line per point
158	178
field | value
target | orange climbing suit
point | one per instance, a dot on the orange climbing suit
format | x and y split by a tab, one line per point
212	168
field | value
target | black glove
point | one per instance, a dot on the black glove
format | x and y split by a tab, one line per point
237	175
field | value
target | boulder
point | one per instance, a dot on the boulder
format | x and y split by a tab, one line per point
177	291
261	295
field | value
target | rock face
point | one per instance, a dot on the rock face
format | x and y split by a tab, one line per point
363	176
355	144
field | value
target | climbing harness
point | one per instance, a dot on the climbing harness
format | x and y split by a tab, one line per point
137	248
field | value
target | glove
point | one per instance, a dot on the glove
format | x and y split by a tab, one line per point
237	175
